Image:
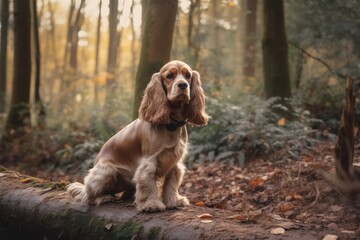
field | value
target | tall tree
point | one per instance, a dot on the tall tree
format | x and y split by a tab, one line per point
19	115
3	52
215	12
112	50
40	108
158	30
250	41
191	43
275	50
97	50
76	26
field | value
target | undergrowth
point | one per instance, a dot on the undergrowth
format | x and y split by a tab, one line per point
254	127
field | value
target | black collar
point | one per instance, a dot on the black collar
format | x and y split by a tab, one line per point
175	124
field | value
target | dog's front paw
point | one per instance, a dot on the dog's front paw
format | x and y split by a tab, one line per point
151	205
182	201
178	201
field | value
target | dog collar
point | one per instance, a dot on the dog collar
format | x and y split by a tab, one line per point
175	124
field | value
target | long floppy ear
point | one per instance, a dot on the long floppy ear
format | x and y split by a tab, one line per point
154	106
196	109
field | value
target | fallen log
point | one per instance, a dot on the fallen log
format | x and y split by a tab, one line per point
32	208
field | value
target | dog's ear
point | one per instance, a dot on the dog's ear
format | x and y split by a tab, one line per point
154	106
196	109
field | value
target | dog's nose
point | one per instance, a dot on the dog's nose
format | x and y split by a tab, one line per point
182	86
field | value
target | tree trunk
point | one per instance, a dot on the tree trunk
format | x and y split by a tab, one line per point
346	179
53	35
156	44
40	108
215	5
96	69
67	45
133	42
250	42
275	50
112	50
3	52
19	115
75	36
191	43
344	149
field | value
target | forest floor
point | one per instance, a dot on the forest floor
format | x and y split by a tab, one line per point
280	196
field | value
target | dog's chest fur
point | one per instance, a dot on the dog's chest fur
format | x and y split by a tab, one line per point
174	148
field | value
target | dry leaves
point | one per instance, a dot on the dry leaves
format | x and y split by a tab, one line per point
330	237
108	226
206	217
256	182
285	207
277	231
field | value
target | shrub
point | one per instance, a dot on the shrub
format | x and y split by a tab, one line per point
252	128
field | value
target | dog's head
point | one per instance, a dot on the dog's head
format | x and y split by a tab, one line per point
175	85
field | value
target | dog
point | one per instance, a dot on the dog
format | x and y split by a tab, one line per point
151	149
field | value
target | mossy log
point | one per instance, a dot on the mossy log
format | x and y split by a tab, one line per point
31	208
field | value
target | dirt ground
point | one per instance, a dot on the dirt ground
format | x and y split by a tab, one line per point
281	196
294	190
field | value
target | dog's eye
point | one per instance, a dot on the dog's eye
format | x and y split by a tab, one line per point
187	75
170	76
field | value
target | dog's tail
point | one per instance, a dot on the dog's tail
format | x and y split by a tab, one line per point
77	191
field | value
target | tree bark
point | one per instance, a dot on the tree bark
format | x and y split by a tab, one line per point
156	44
3	52
192	43
40	108
112	50
97	49
347	178
250	42
75	36
275	50
344	149
19	115
215	5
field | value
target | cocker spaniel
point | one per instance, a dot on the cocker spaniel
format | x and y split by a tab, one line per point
148	153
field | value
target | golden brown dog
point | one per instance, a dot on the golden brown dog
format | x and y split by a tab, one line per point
151	148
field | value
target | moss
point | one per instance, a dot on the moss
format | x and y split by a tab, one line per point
127	230
76	225
3	169
41	183
153	233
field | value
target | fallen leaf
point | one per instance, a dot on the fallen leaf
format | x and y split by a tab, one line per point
108	226
207	221
286	225
2	174
308	159
330	237
188	185
257	182
297	196
277	231
199	204
285	207
281	122
288	198
205	216
347	231
238	217
336	208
